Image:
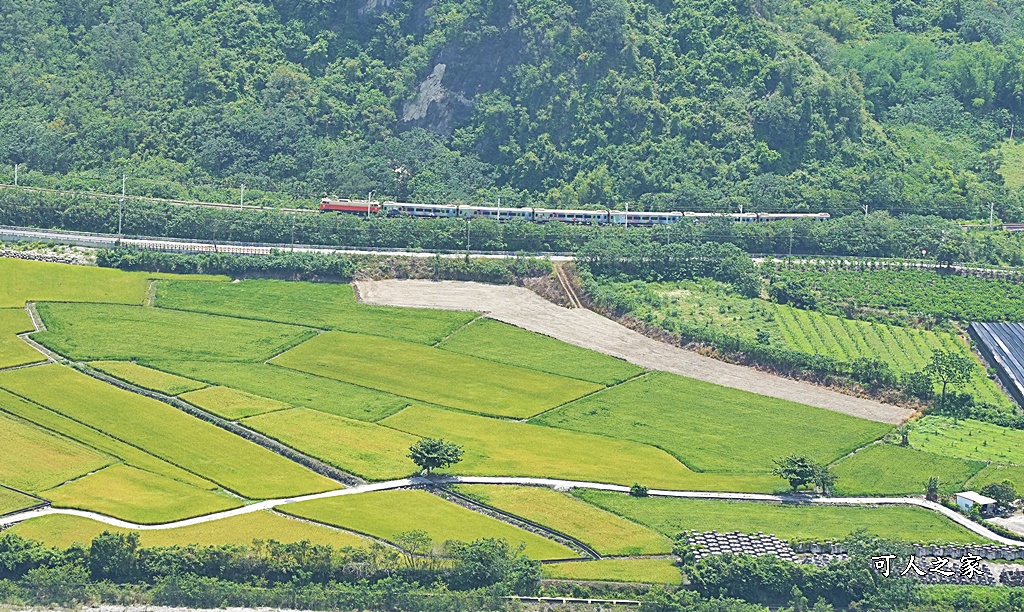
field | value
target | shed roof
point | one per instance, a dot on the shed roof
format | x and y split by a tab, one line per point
977	498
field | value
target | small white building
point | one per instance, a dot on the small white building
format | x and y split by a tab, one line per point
968	499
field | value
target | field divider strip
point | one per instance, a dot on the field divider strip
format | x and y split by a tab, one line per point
108	435
436	481
517	521
245	433
302	519
457	330
594	392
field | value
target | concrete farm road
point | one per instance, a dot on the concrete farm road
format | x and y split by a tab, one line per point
269	504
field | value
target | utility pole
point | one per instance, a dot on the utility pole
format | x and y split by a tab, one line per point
241	196
865	207
120	207
991	213
499	210
790	240
293	232
16	174
468	220
369	203
626	218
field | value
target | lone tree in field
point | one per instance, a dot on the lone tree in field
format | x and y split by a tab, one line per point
432	453
949	368
797	469
802	471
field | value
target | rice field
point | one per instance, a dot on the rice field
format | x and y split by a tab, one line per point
496	341
63	531
643	571
140	497
25	281
13	350
713	428
320	305
887	469
50	421
165	432
787	521
11	501
607	533
499	448
292	387
969	439
106	332
432	375
364	449
419	510
232	404
34	460
148	378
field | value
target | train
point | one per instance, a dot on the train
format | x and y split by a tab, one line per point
545	215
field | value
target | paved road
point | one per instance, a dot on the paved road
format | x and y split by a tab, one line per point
511	480
109	241
523	308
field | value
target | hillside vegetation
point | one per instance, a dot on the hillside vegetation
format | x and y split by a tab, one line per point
815	104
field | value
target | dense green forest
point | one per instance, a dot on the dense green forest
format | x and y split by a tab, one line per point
900	105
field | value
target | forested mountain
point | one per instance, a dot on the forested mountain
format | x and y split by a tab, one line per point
904	105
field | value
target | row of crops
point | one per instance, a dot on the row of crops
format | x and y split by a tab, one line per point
713	306
935	294
905	349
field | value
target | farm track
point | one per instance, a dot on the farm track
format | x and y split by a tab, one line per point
419	481
587	329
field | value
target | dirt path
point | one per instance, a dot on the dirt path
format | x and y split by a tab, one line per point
523	308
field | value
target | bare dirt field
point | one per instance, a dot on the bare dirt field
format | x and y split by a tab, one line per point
523	308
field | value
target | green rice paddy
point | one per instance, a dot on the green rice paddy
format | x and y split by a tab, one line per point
494	447
34	459
50	421
232	404
496	341
293	387
13	350
645	571
165	432
886	469
63	531
11	501
100	332
320	305
787	521
432	375
607	533
713	428
419	510
363	449
148	378
137	496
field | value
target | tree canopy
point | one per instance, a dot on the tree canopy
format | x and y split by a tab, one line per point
830	105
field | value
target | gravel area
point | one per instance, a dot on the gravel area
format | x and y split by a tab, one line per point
523	308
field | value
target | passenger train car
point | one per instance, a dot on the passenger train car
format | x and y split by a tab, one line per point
544	215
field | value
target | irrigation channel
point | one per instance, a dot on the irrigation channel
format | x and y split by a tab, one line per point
436	481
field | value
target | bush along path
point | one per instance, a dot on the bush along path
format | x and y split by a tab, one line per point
438	481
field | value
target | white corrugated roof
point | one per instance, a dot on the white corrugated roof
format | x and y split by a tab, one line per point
977	498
